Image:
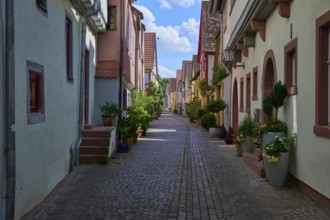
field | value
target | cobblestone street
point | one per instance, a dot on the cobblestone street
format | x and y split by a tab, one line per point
179	172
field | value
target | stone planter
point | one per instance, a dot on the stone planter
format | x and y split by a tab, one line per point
277	172
215	132
268	137
247	145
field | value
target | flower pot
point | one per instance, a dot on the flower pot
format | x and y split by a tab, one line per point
122	148
247	145
223	132
139	132
107	120
276	172
268	137
215	132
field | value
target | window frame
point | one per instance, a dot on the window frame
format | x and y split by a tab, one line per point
291	49
255	84
322	127
68	47
241	98
112	13
35	73
248	94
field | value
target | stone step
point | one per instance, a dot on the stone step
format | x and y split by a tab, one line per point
94	150
89	141
252	160
96	134
92	159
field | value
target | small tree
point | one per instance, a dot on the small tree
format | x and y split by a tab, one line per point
275	99
215	106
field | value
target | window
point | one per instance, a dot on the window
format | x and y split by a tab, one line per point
255	84
146	78
290	66
322	74
42	5
248	93
35	93
68	46
112	18
241	107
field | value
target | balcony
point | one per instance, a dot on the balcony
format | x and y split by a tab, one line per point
96	22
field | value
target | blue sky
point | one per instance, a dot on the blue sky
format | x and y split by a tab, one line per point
176	23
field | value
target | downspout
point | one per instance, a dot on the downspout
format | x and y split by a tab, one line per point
97	8
120	95
10	110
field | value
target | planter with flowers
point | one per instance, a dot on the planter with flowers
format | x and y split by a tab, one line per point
275	142
213	107
237	141
247	129
276	159
274	127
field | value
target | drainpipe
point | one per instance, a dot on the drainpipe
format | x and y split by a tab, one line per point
10	110
97	8
122	21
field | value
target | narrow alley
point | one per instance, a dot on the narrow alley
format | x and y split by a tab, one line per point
177	171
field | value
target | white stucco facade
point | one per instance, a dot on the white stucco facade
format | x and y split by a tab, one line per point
309	160
43	149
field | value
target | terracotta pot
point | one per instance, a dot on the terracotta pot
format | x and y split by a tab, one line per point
107	120
139	132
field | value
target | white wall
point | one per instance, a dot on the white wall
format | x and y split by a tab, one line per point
42	149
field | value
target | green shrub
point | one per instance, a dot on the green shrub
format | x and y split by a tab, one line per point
215	106
247	127
207	121
201	112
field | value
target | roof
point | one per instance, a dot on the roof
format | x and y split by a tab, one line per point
186	70
178	77
209	27
149	50
195	67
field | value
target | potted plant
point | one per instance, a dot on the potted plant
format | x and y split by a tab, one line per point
276	159
274	127
109	112
207	121
215	106
219	73
237	141
247	129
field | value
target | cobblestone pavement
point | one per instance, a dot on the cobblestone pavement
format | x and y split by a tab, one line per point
176	172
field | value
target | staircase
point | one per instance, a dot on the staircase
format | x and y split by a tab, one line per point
96	145
252	160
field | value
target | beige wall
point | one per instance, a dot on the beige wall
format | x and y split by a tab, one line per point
310	159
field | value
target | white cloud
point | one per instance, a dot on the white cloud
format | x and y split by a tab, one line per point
192	27
165	72
169	36
185	3
165	4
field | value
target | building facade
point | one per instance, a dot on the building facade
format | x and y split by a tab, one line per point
49	77
286	41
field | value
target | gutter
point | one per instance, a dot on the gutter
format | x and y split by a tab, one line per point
97	8
10	146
